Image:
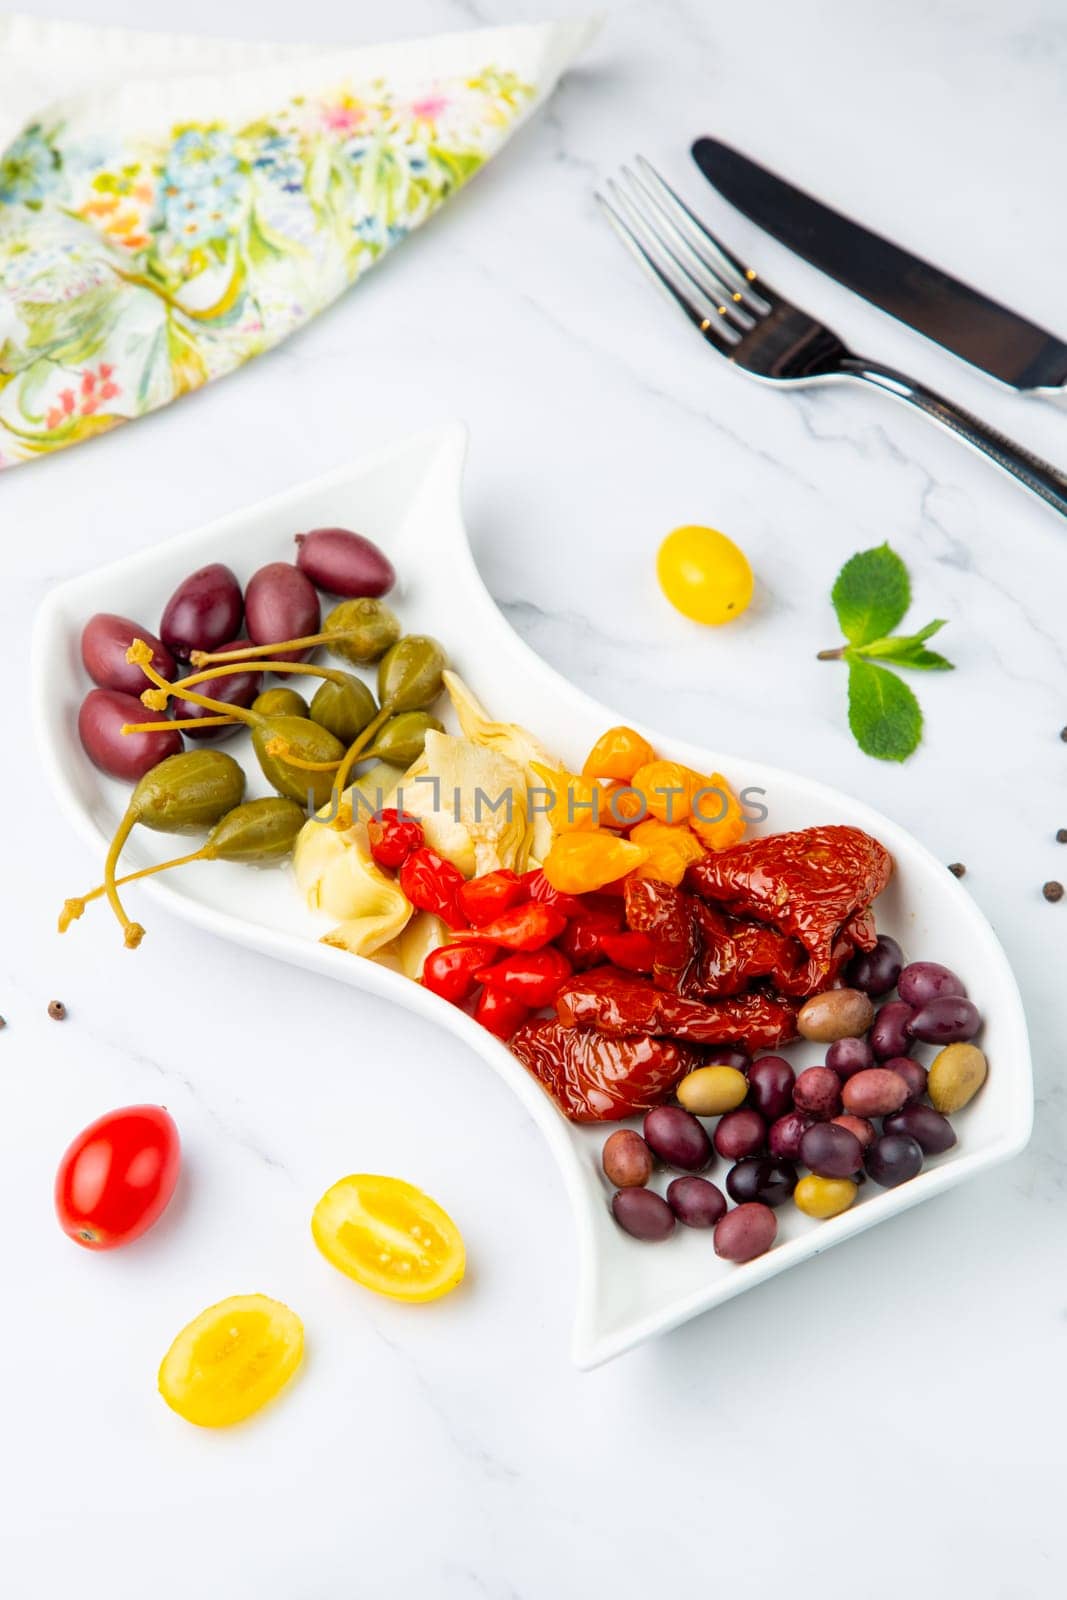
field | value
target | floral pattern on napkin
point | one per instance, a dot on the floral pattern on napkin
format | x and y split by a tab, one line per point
135	270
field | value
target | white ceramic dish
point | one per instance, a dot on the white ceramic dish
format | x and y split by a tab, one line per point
408	499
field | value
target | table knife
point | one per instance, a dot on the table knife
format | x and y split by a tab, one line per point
960	318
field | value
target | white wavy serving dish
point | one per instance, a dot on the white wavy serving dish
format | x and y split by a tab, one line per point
408	499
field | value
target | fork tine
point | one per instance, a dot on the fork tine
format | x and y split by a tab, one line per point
665	269
658	220
740	278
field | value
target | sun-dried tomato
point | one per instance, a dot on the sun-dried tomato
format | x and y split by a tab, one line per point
619	1004
809	884
594	1078
668	917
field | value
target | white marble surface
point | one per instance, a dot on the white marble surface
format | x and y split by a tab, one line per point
882	1420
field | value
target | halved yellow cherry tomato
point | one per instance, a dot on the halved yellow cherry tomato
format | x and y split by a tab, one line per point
704	575
390	1237
231	1359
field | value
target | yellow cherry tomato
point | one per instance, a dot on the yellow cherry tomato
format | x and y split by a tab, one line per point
704	575
578	863
618	754
716	816
390	1237
671	849
231	1359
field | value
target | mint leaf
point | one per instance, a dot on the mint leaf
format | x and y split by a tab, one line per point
908	650
871	594
883	713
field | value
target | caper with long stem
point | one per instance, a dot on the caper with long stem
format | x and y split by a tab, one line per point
357	630
182	794
256	832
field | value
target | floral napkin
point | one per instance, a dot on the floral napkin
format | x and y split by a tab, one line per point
169	207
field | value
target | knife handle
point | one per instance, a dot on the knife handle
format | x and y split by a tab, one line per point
1041	477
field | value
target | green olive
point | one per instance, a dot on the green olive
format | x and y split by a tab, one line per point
361	630
344	708
305	740
409	674
400	741
280	702
259	830
188	792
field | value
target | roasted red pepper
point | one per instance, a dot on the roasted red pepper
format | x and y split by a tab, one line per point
619	1004
393	837
533	976
433	884
450	970
633	952
500	1013
486	897
539	888
527	927
809	884
596	1079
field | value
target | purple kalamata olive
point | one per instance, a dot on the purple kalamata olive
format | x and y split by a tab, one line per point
818	1091
946	1020
768	1179
889	1031
894	1158
677	1138
877	1092
105	641
740	1133
846	1056
784	1135
204	611
770	1086
860	1126
696	1201
122	755
643	1213
876	971
746	1232
831	1151
913	1073
927	980
281	603
932	1132
344	563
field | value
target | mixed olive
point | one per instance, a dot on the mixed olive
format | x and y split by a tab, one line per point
773	1122
203	679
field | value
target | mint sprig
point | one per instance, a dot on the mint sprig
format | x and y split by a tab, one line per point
871	596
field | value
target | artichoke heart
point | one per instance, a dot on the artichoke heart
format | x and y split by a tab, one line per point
408	951
519	745
471	802
338	875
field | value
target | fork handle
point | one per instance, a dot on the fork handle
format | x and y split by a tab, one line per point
1041	477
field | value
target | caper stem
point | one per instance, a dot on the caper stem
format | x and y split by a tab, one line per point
177	722
227	712
352	754
283	750
72	909
133	931
204	658
334	674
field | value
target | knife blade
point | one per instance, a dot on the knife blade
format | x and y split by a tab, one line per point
951	313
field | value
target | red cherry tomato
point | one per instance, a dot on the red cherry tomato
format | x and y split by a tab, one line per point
116	1178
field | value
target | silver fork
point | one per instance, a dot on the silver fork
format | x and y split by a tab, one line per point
754	327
